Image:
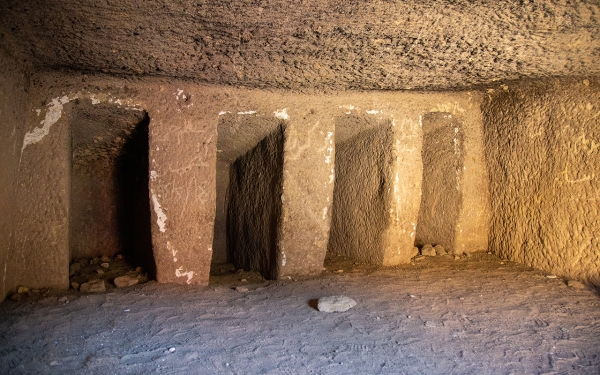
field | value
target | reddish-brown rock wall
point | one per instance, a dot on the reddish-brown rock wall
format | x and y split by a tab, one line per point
13	106
542	148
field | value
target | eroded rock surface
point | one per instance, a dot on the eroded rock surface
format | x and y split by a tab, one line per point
331	44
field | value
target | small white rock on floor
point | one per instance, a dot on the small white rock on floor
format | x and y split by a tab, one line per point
335	304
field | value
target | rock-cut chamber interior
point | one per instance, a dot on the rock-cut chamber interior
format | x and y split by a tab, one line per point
109	201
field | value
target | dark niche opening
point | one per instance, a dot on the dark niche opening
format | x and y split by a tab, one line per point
109	205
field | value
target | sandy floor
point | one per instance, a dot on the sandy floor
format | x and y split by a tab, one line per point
440	316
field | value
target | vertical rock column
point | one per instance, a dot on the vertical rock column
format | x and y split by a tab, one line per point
308	180
13	115
280	200
41	248
182	193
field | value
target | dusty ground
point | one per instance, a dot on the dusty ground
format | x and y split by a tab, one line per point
440	316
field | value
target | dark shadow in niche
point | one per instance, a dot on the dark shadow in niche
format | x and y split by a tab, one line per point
133	199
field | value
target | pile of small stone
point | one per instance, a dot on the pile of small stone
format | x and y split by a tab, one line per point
431	251
101	273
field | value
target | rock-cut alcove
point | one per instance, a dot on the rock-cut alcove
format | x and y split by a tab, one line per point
238	134
109	200
441	197
366	210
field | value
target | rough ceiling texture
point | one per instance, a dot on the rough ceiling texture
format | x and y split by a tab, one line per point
310	44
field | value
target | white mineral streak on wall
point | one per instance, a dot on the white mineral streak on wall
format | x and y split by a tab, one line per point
282	115
178	94
153	175
247	113
328	156
173	251
180	273
373	112
453	108
53	113
348	107
329	147
283	259
223	113
161	218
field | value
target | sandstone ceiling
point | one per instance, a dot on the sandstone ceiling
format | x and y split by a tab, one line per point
309	44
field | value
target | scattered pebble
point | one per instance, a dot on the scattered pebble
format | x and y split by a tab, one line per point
241	289
439	250
100	272
22	289
456	257
576	284
428	250
105	265
63	299
430	324
94	286
335	304
105	258
170	350
551	276
339	271
125	281
73	268
243	280
53	363
75	285
411	295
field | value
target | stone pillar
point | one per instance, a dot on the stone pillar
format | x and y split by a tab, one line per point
182	193
473	224
41	249
13	115
404	194
307	197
